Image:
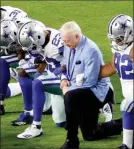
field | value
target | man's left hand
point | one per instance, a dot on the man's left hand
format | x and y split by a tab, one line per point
64	90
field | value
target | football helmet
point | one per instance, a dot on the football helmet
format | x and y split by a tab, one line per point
20	18
8	33
14	14
120	32
32	33
3	11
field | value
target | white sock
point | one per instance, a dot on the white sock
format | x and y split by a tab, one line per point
31	112
1	102
36	123
128	138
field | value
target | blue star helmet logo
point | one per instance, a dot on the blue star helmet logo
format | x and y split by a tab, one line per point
123	25
30	34
6	35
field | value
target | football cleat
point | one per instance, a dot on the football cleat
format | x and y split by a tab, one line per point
2	110
107	112
71	144
24	119
122	147
31	132
62	124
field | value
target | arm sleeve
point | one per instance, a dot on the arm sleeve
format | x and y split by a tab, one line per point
92	68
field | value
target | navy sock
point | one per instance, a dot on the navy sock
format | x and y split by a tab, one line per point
26	87
8	93
38	99
4	78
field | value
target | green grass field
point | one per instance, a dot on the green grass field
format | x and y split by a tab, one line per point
93	18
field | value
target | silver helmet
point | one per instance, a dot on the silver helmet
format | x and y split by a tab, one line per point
120	31
20	17
32	33
8	33
3	11
14	14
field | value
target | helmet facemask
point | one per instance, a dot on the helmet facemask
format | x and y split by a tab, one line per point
120	31
31	34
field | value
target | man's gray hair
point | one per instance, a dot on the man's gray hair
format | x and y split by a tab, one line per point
70	27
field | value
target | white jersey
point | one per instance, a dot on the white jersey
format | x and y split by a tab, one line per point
125	70
12	13
53	51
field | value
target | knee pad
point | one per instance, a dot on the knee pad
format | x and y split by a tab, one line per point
127	106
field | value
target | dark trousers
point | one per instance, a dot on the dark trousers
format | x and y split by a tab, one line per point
109	97
82	109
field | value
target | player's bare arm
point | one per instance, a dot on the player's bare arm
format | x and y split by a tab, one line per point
41	67
20	53
40	64
107	70
131	54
